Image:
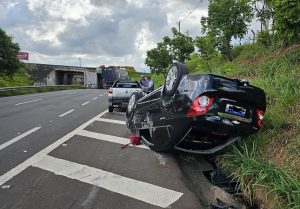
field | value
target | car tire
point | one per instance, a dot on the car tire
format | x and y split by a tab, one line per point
135	96
175	73
110	109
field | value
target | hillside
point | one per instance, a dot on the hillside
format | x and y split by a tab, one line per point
19	79
268	162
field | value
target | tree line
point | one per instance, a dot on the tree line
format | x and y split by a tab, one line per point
228	20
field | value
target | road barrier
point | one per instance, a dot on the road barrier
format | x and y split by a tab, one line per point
18	90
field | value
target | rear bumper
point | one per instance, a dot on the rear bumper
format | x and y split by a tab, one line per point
118	101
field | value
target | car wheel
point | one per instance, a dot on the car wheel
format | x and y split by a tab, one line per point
175	73
110	109
135	96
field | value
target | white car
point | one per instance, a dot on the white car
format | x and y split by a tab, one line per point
120	92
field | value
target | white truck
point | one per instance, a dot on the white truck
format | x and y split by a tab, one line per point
120	92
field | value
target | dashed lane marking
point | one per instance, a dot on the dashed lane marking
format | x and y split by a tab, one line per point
95	98
6	144
108	138
28	102
112	121
85	103
66	113
139	190
40	155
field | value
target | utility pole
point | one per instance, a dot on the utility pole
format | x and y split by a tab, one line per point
187	33
79	61
179	26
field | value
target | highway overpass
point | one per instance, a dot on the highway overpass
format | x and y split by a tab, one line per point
44	74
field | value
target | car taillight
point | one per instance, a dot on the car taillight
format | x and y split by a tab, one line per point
110	90
200	106
260	117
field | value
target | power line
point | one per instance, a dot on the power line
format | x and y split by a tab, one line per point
191	12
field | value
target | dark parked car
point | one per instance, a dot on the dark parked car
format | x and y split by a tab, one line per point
197	113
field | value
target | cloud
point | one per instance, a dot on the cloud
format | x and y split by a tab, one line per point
110	32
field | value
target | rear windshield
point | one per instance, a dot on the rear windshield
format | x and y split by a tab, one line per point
127	85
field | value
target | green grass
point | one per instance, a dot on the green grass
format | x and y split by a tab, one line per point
19	79
272	159
157	79
257	172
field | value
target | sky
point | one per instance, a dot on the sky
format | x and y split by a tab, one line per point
97	32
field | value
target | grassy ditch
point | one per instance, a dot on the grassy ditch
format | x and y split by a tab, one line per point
267	163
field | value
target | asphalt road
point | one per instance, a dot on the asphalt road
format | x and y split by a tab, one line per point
63	150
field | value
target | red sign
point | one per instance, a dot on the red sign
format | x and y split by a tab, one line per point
23	55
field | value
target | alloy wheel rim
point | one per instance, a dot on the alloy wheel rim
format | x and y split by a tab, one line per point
131	103
171	78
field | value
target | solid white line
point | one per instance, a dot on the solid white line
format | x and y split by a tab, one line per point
66	113
112	121
28	102
139	190
95	98
108	138
120	113
2	146
85	103
38	156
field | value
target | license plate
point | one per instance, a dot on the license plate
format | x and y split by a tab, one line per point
124	104
235	110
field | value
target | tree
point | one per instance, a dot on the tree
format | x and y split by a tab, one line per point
207	47
9	63
158	59
264	12
287	20
181	46
177	48
227	19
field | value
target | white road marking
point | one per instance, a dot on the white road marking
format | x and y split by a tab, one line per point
120	113
28	102
95	98
66	113
100	95
85	103
112	121
139	190
40	155
6	144
108	138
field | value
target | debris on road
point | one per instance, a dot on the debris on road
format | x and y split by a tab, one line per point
135	140
6	186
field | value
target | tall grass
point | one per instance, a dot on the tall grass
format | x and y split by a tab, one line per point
19	79
271	158
256	172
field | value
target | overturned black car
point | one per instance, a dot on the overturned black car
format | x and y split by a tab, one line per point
196	113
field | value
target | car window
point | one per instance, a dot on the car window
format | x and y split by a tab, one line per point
127	85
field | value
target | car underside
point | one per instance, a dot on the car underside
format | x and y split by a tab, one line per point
196	113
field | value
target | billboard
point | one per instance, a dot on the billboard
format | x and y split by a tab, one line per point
23	55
